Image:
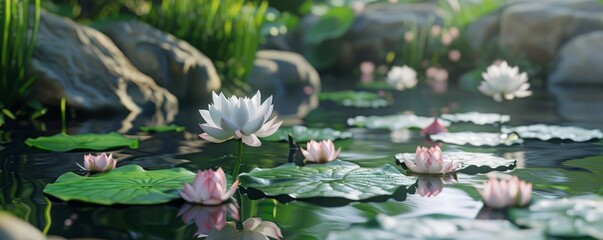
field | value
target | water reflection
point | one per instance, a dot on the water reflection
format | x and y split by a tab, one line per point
251	229
432	185
208	218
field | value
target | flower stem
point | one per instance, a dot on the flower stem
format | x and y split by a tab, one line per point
237	166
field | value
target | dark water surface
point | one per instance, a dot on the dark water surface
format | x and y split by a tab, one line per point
556	169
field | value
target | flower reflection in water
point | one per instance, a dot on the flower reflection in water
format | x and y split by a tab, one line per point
431	186
208	218
252	228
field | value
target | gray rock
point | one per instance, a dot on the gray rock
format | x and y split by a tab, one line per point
85	67
292	81
579	61
536	28
172	63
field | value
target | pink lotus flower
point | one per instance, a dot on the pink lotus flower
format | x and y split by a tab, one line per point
320	152
100	163
430	162
253	228
208	218
502	193
209	188
431	186
434	128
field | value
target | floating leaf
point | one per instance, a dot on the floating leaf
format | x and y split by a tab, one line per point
334	179
162	128
376	85
568	217
393	122
471	163
548	132
477	118
63	142
477	139
129	184
304	134
355	99
437	227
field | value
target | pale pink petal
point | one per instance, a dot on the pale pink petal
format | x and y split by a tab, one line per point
227	195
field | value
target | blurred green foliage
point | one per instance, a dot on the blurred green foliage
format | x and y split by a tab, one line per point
18	29
227	31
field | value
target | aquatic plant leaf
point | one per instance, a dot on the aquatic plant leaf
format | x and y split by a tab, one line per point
437	227
304	134
162	128
355	99
471	163
64	142
477	118
129	184
334	179
548	132
580	216
477	138
331	25
393	122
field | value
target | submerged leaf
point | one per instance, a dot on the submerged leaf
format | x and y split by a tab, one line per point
477	118
304	134
333	179
548	132
63	142
477	138
162	128
124	185
394	122
471	163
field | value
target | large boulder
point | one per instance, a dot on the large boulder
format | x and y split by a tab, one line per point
292	81
536	28
579	61
83	66
172	63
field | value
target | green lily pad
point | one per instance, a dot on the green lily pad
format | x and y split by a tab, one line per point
63	142
334	179
393	122
580	216
477	118
162	128
477	138
355	99
304	134
471	163
124	185
548	132
437	227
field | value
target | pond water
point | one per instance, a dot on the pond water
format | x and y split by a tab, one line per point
557	169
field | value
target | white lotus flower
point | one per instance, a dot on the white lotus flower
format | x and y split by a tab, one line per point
239	118
502	81
402	77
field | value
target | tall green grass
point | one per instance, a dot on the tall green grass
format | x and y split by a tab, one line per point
17	42
227	31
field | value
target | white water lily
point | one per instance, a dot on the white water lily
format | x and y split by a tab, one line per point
504	82
402	77
239	118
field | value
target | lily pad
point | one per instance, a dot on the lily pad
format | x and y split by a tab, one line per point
548	132
437	227
477	138
63	142
334	179
568	217
393	122
477	118
355	99
162	128
124	185
304	134
471	163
